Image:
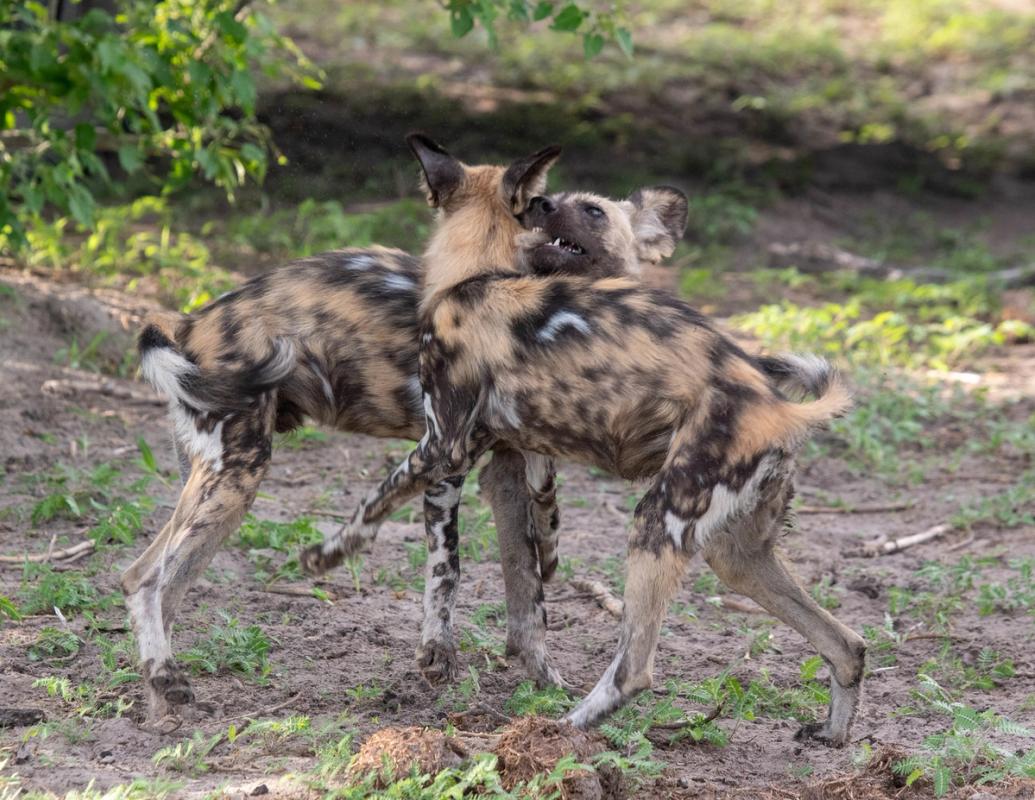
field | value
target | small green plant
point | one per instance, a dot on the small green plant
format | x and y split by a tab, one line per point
362	692
54	645
283	537
43	589
239	649
301	438
8	608
827	594
272	733
527	700
85	699
988	671
971	751
189	755
1009	509
123	522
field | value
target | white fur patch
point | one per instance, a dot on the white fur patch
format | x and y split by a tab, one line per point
145	611
727	504
814	370
399	282
559	321
163	367
537	470
200	444
328	391
430	418
361	263
675	526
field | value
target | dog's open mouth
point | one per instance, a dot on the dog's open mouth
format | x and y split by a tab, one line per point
566	245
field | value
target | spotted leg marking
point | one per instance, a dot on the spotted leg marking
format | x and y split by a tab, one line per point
436	655
543	514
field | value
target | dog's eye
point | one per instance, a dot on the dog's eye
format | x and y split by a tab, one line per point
596	212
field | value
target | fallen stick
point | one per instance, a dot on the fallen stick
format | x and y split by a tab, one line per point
741	608
262	712
853	509
329	514
107	388
603	596
883	548
75	551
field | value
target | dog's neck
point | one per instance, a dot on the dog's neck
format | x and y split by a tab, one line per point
468	245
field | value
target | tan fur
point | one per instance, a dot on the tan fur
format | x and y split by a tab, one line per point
481	234
630	380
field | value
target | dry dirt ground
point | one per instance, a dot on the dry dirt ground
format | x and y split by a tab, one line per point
345	659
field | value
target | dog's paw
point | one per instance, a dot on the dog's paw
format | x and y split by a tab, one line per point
437	662
168	681
314	561
821	732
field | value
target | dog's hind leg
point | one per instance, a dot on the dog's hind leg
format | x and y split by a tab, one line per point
222	484
502	481
543	515
746	560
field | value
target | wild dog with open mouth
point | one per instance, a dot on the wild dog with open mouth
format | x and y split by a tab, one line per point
634	381
334	338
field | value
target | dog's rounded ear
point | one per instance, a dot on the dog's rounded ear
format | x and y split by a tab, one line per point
658	221
443	174
526	177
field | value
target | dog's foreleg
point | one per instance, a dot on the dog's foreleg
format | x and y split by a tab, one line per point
449	448
436	654
508	495
651	583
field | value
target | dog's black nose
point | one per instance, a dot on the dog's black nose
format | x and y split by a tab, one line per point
542	205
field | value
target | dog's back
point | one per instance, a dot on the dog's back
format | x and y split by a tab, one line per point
335	333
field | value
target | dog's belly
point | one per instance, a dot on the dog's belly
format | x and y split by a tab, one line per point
631	445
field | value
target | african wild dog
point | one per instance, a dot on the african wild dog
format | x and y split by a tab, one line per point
334	338
632	380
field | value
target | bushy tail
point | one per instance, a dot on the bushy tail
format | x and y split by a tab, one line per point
798	375
184	382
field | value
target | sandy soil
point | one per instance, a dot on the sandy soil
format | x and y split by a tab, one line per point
366	636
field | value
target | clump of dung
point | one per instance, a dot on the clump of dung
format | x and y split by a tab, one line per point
531	746
393	752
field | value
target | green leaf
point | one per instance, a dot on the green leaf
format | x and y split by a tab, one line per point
85	136
244	89
592	44
810	667
461	21
942	778
251	152
80	203
231	28
542	10
8	608
568	18
130	158
625	41
147	455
